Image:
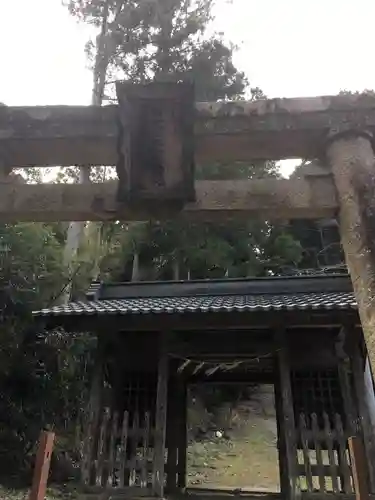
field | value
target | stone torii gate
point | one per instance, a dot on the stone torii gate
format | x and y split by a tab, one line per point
161	122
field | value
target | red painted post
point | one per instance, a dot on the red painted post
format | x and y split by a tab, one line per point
42	464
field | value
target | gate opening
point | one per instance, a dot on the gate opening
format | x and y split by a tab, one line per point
232	438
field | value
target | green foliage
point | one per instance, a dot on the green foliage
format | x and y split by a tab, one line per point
158	39
31	262
42	377
320	241
200	250
180	249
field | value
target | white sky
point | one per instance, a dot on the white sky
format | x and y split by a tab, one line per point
287	47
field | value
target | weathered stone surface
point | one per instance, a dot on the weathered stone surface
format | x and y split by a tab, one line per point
313	197
156	150
353	166
240	130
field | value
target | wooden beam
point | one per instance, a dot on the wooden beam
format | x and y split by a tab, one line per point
236	378
92	415
42	464
182	403
265	129
365	425
270	198
343	366
172	431
160	419
359	468
177	432
202	321
286	417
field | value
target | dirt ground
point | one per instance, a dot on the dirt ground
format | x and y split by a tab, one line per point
60	493
248	460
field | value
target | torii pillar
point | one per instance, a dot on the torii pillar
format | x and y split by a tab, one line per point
351	157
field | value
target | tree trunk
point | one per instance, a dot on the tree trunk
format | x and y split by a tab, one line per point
135	269
353	167
101	60
176	268
73	239
76	229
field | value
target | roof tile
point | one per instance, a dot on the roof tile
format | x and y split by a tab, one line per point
207	303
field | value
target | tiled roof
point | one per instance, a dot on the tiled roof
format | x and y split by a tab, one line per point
208	303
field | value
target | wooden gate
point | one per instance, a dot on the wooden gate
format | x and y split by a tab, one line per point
323	454
322	432
122	447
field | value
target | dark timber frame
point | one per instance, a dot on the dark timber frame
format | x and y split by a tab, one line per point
136	435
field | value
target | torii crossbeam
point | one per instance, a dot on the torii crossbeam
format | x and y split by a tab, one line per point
226	131
229	131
